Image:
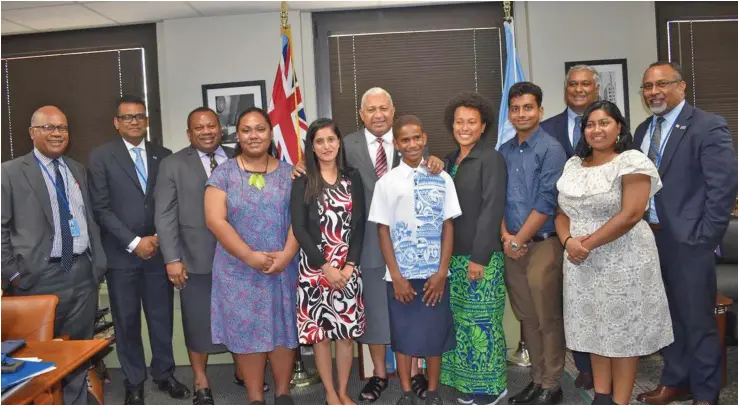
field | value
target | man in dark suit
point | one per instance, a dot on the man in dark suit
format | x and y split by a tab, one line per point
122	177
581	89
50	240
694	153
187	245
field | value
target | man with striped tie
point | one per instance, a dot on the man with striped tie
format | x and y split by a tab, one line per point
122	177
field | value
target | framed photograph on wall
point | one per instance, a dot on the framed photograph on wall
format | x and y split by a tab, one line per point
229	100
613	81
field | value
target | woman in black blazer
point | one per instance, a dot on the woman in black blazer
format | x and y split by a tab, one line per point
476	367
328	219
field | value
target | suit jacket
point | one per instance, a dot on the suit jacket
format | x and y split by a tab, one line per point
558	127
357	156
179	200
27	220
306	221
700	176
121	207
481	184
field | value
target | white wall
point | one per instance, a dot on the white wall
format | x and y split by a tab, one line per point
550	33
197	51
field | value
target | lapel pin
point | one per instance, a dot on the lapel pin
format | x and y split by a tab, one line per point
157	158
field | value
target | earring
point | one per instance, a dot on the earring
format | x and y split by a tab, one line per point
618	139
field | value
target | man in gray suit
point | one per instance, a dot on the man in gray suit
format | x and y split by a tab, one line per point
50	241
363	153
186	244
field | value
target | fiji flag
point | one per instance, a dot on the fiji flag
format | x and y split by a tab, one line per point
513	74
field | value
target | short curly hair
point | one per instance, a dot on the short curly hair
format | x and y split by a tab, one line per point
470	100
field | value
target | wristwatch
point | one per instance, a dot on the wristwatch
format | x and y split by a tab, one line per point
514	246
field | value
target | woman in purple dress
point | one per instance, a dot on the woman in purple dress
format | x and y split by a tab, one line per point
253	303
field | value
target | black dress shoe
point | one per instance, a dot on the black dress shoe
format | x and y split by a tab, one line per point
134	396
175	388
547	396
203	396
526	395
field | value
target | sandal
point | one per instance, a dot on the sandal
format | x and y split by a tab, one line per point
419	385
240	382
373	389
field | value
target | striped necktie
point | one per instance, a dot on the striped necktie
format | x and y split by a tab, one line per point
381	166
67	242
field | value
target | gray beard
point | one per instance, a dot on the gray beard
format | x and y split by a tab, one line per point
658	110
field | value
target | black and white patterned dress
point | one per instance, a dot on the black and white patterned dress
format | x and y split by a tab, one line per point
324	312
614	302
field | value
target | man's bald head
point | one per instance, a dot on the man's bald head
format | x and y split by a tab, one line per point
49	131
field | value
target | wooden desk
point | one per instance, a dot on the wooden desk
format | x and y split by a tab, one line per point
66	355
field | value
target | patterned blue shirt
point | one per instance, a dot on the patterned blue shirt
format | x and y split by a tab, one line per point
414	205
533	168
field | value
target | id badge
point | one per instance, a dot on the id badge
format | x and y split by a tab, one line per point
74	227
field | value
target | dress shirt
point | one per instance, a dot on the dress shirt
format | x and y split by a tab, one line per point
571	116
77	206
414	204
533	168
134	243
220	157
666	127
389	148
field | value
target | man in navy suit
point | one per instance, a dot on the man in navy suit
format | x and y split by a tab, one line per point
122	179
581	89
694	153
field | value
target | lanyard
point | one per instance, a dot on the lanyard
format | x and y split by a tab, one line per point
660	149
59	192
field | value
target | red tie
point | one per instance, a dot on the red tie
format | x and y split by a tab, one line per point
381	166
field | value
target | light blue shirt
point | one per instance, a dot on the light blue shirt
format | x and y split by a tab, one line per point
220	157
76	204
570	122
666	127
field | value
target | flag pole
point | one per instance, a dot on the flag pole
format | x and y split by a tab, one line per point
287	29
520	357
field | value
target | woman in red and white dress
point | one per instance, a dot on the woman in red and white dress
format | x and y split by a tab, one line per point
328	219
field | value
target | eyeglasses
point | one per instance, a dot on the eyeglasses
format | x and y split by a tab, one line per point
661	84
129	117
48	128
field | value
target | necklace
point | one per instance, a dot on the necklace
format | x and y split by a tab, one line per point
257	178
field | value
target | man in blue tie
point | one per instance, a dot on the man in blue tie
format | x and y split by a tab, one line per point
694	153
581	89
50	240
122	177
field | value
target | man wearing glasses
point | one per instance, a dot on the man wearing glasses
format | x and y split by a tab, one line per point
50	241
694	153
122	177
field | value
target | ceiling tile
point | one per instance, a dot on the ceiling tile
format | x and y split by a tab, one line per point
126	12
14	5
12	28
56	17
213	8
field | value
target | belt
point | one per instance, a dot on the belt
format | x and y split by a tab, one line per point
655	227
74	257
542	237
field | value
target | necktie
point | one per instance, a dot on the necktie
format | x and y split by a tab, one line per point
381	166
67	248
577	130
213	162
653	150
140	168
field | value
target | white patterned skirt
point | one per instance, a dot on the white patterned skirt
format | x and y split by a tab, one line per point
615	303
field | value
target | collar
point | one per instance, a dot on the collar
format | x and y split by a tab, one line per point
218	152
130	146
407	171
370	137
571	114
532	141
45	160
672	115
